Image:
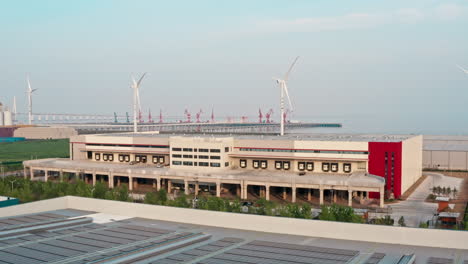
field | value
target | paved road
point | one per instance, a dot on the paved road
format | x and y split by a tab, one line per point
414	209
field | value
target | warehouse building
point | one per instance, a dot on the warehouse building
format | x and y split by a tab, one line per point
328	167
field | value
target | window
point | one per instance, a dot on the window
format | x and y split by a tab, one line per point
161	159
176	156
195	150
188	156
203	150
111	157
203	157
121	158
215	150
226	149
215	157
90	154
176	149
195	156
187	149
325	166
97	156
226	164
195	164
310	166
347	167
286	165
176	162
301	166
243	163
255	164
188	163
263	164
158	159
155	159
278	165
127	158
104	157
203	164
215	164
334	167
141	158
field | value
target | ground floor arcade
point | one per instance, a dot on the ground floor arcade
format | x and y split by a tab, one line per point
244	186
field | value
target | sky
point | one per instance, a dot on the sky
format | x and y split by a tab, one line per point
377	66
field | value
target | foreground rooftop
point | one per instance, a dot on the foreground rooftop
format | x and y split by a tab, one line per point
60	231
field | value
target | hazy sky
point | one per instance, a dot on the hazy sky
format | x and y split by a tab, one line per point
359	59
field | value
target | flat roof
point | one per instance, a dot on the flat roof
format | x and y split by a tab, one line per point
294	136
462	146
360	179
74	236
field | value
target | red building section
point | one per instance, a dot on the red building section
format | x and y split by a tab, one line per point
385	161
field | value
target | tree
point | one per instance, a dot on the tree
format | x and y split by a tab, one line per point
150	198
161	197
423	225
122	194
100	190
401	221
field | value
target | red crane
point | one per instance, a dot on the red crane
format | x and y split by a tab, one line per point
140	117
150	118
212	116
268	115
188	115
285	115
160	116
260	116
198	115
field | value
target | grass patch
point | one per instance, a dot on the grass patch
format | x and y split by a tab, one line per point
40	149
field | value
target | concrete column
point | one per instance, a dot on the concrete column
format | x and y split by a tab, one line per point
361	196
321	196
158	184
25	173
267	192
135	183
169	186
309	195
46	175
293	199
154	183
218	189
31	173
366	195
284	193
118	181
61	175
130	183
111	180
334	196
382	197
186	187
350	198
238	190
94	178
197	188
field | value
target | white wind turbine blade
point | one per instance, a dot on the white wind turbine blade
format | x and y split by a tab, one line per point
461	68
139	81
29	83
286	76
287	95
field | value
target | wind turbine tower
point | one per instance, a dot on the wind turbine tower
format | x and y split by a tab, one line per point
14	110
136	101
29	92
284	91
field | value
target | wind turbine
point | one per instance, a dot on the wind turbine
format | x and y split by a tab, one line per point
136	100
465	71
29	92
284	90
14	110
